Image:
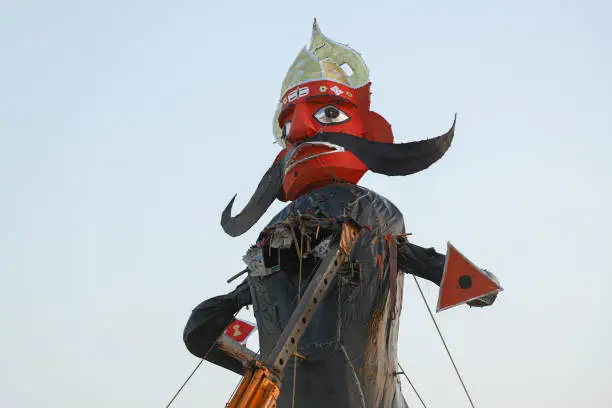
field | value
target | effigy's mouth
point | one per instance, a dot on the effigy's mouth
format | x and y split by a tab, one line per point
309	150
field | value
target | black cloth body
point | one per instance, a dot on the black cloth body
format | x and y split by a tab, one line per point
350	347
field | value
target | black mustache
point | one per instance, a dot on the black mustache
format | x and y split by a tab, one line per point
392	159
268	189
389	159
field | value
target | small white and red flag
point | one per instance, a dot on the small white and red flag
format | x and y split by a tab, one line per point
240	330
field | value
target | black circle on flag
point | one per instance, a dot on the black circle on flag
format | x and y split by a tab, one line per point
465	282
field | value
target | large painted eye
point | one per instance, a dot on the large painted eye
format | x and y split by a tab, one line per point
285	131
329	114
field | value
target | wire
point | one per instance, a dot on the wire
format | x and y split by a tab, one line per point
299	295
444	342
412	385
363	404
194	370
185	383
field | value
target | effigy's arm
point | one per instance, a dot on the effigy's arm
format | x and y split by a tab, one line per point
425	263
428	264
204	329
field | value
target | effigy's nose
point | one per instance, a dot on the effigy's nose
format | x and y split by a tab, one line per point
302	126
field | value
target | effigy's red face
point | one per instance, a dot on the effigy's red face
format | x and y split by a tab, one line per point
323	107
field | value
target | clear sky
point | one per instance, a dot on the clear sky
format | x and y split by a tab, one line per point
126	126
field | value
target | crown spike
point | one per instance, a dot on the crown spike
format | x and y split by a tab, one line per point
317	38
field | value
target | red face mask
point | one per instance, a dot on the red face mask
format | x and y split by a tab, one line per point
311	165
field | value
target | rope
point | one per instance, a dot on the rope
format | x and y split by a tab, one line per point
300	251
363	404
412	385
185	383
444	343
193	372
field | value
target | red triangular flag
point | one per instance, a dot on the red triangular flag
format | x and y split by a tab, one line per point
463	281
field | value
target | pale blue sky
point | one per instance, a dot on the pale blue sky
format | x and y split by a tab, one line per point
126	126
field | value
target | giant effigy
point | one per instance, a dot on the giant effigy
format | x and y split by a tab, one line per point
325	276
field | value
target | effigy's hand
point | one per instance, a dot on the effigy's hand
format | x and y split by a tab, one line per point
483	301
242	294
486	300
